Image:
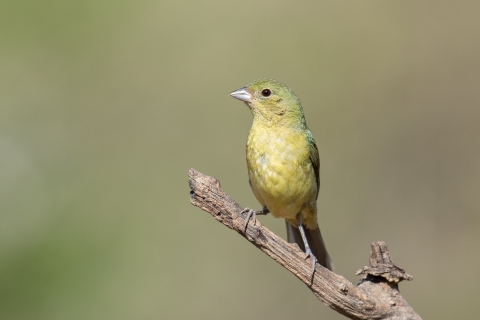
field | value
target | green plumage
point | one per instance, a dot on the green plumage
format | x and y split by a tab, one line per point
282	157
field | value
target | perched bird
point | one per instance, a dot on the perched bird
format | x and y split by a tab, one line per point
283	164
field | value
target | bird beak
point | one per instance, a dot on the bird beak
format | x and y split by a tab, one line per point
242	94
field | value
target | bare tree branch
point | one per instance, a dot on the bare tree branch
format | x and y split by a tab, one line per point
375	297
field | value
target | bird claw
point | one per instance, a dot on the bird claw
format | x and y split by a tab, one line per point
250	213
308	253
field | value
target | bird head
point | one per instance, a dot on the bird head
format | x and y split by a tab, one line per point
272	101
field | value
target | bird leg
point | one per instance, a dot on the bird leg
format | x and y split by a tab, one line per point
254	213
308	252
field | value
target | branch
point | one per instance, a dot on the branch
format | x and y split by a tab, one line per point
375	297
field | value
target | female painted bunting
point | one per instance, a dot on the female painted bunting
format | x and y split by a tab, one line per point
283	164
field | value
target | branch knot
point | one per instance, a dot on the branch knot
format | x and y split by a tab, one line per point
381	265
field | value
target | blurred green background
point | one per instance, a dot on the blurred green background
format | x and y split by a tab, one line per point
105	105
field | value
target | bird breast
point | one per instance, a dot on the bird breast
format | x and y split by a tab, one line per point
280	170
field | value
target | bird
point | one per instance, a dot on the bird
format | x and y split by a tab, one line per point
284	165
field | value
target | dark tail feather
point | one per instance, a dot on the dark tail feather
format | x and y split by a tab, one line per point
314	238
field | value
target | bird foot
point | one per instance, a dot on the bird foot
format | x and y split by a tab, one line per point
250	213
308	253
254	213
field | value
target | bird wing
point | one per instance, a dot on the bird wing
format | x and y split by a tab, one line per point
314	158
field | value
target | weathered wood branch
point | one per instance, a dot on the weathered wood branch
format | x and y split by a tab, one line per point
375	297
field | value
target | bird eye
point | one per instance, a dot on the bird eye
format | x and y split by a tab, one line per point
266	92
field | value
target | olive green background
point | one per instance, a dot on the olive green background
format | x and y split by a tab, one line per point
105	105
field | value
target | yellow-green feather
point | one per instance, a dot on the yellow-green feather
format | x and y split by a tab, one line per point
282	157
281	173
283	162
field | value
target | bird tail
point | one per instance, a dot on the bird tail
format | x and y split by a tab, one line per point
315	241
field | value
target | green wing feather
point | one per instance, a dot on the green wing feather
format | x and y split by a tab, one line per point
314	158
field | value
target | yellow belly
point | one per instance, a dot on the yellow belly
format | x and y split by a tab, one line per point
281	173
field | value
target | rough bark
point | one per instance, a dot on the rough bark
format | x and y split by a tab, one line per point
375	297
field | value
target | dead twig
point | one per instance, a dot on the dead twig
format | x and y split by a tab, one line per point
375	297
